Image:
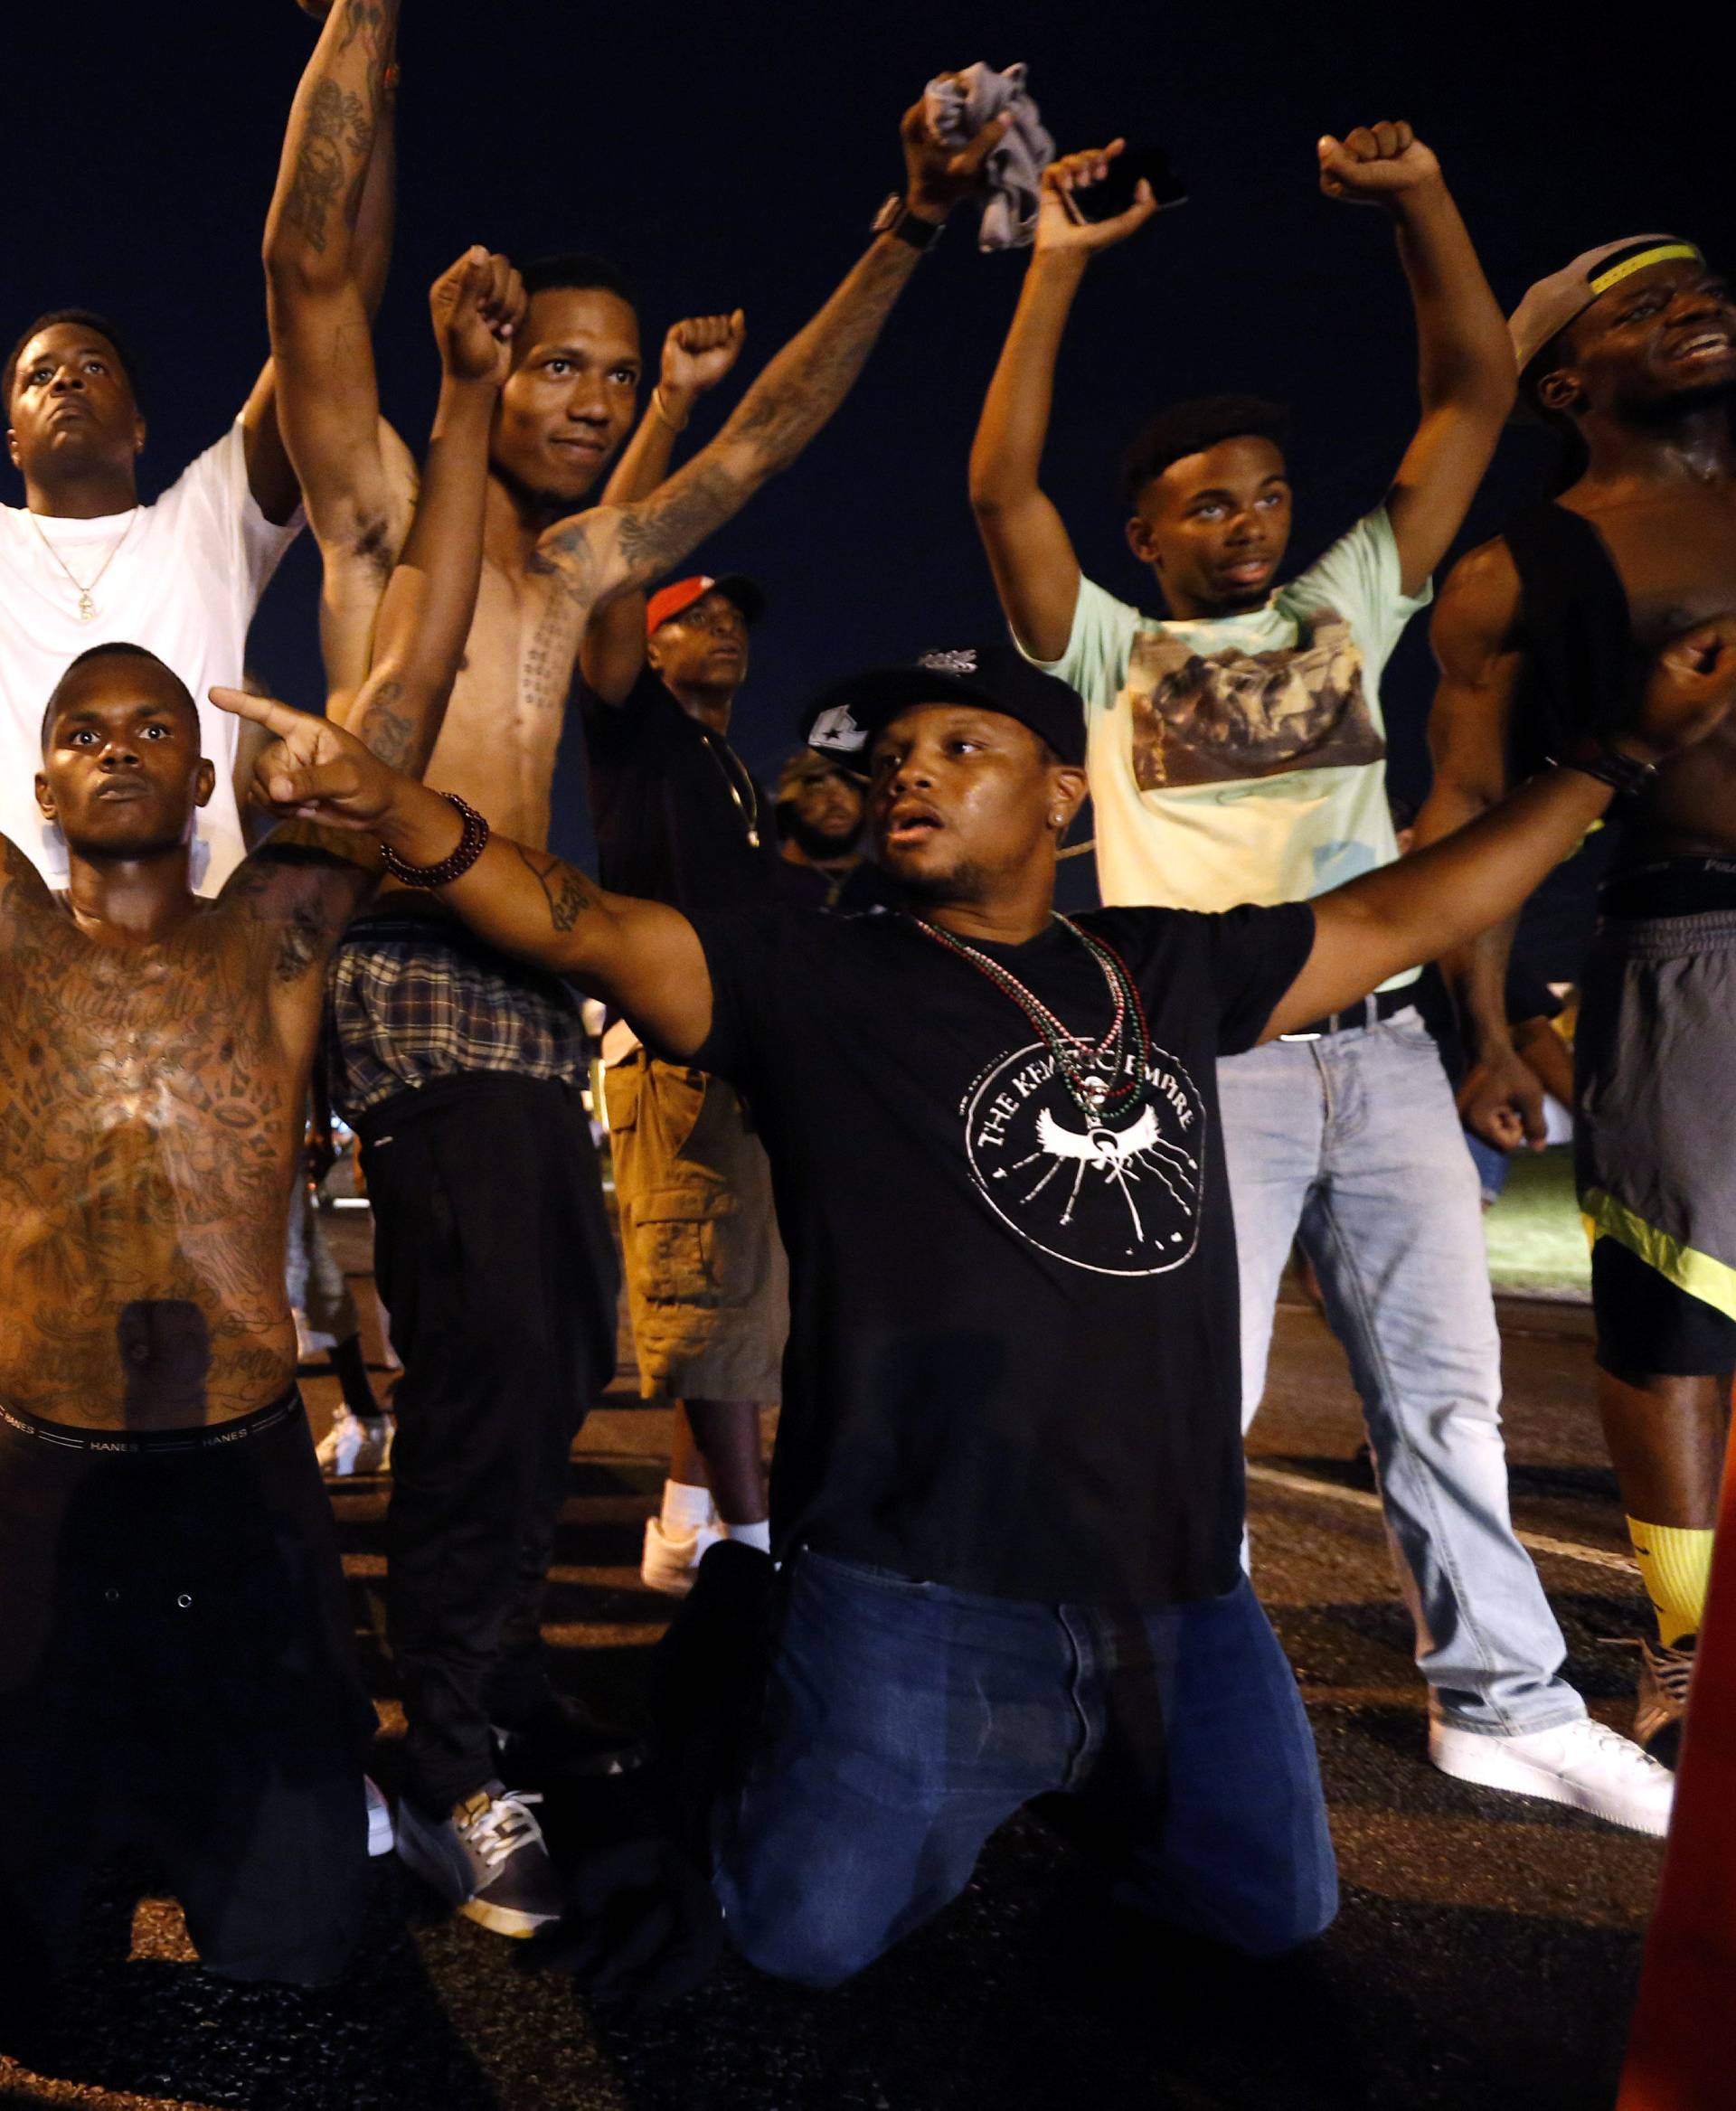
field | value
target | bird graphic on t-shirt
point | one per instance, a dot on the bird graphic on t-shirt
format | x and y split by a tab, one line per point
1119	1152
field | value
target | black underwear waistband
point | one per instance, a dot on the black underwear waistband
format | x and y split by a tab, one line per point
155	1443
1677	887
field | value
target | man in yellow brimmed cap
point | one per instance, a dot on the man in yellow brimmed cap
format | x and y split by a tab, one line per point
1630	353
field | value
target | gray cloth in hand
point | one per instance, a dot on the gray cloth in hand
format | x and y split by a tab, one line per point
957	106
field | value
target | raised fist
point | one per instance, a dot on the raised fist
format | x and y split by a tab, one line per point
1060	225
696	355
1375	164
476	305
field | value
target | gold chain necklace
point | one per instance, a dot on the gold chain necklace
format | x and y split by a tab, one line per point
86	607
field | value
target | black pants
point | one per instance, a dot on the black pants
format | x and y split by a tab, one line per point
177	1674
493	1254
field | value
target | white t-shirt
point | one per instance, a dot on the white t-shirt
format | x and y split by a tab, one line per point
1243	758
184	577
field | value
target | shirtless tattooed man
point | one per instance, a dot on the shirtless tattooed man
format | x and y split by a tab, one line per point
460	1070
1630	352
176	1661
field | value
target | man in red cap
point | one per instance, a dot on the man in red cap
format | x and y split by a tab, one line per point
1630	352
680	818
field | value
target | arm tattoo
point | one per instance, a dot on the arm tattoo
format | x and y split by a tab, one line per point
367	18
661	530
389	733
568	893
332	161
297	891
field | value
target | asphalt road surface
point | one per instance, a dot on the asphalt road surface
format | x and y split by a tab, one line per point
1485	1957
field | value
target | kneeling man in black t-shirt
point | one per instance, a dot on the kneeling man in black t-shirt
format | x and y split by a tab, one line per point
1007	1492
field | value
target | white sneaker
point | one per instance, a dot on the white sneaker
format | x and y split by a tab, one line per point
379	1818
352	1446
1580	1763
671	1561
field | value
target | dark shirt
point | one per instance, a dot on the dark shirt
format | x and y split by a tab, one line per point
1013	1363
864	886
676	811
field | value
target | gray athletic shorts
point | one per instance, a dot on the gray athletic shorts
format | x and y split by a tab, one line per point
1654	1058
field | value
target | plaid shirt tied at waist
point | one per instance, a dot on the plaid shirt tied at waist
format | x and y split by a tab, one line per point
408	999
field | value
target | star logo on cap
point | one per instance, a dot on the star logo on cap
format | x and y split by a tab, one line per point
836	729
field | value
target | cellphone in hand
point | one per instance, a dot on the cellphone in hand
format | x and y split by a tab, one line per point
1114	194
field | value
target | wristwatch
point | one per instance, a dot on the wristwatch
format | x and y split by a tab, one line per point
895	217
1593	756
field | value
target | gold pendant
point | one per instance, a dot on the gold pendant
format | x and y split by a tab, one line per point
87	609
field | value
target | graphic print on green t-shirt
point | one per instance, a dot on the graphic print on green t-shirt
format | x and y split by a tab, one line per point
1201	718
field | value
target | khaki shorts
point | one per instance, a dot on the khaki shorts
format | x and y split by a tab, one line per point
707	1283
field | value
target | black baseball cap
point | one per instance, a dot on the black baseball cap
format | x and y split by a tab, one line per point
842	722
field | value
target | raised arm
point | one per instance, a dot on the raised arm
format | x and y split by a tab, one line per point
1440	898
307	876
426	610
614	549
696	355
326	240
1030	552
1465	375
1476	640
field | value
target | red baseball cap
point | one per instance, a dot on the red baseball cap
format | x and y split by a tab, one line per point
679	596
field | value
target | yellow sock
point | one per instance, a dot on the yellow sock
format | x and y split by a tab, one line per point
1675	1564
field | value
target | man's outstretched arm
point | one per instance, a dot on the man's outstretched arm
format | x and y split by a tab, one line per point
697	353
1465	373
1440	898
1029	548
642	956
326	240
614	550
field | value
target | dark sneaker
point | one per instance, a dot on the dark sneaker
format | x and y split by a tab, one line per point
1664	1675
487	1858
564	1741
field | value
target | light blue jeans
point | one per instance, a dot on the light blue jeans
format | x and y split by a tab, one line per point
1351	1142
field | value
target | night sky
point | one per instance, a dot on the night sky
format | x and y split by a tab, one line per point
735	157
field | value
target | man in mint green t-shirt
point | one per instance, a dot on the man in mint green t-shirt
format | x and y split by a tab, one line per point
1237	753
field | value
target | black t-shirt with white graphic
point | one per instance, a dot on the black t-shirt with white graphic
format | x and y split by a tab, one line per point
1013	1363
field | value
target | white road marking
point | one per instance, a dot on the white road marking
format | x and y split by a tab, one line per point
1363	1499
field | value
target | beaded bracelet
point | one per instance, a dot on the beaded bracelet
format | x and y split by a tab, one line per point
471	845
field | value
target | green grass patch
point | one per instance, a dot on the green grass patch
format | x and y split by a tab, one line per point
1536	1243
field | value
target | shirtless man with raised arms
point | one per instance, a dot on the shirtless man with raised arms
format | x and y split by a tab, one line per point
460	1070
1630	353
176	1664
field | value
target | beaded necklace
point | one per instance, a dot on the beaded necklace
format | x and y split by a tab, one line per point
1105	1076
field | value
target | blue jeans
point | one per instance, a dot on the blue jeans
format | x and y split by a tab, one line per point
904	1722
1351	1143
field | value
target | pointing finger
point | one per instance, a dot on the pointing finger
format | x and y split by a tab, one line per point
264	710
